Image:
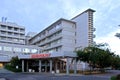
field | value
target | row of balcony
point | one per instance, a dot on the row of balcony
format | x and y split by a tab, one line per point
14	31
13	36
37	39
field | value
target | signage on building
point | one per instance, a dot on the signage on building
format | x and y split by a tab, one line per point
40	55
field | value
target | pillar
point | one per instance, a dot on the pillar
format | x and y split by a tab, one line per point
39	65
67	66
75	66
60	65
55	66
50	65
22	65
27	66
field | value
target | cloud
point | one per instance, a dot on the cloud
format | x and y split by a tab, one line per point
114	42
106	15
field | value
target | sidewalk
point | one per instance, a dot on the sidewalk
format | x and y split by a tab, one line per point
2	70
2	79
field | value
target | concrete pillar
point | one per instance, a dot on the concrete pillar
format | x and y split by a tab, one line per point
60	65
50	65
56	66
22	65
67	66
75	66
39	65
45	66
27	66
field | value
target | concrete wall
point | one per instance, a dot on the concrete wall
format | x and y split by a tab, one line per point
68	36
81	30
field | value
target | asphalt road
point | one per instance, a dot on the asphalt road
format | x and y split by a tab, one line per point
33	76
7	75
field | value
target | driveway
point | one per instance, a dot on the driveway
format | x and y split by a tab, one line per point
47	76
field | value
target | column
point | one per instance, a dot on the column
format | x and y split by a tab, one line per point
61	65
50	65
39	65
22	65
45	66
56	67
67	66
75	66
27	66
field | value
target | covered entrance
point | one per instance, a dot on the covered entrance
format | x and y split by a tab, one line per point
48	62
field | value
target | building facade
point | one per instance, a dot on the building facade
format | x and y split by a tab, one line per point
67	35
60	40
12	33
58	37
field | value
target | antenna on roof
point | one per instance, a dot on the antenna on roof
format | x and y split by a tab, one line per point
4	19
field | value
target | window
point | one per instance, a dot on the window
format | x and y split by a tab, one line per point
9	28
9	38
3	26
0	48
21	40
3	32
26	50
17	49
22	35
16	29
15	40
3	38
34	51
6	48
9	33
16	34
21	30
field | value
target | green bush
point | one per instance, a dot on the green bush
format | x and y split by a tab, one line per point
118	77
12	68
115	77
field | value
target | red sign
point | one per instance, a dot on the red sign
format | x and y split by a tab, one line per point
40	55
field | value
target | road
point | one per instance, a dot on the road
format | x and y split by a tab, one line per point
33	76
47	76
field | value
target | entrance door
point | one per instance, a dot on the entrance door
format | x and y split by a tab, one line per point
45	66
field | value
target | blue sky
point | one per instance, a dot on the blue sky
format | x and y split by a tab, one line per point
35	15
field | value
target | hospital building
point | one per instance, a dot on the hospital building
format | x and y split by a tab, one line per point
50	50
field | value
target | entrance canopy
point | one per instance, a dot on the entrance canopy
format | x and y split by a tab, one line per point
48	55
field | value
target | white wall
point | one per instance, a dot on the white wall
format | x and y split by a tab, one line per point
81	30
68	33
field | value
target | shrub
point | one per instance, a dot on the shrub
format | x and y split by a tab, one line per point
115	77
118	77
12	68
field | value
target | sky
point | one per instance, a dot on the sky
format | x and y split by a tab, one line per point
35	15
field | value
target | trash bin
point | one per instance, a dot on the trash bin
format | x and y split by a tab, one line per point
33	70
53	72
30	70
57	71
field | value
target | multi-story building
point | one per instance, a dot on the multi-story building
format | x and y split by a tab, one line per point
12	42
59	40
84	29
60	36
67	35
12	33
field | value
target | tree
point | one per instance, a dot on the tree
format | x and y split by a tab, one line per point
95	56
117	35
13	63
116	62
